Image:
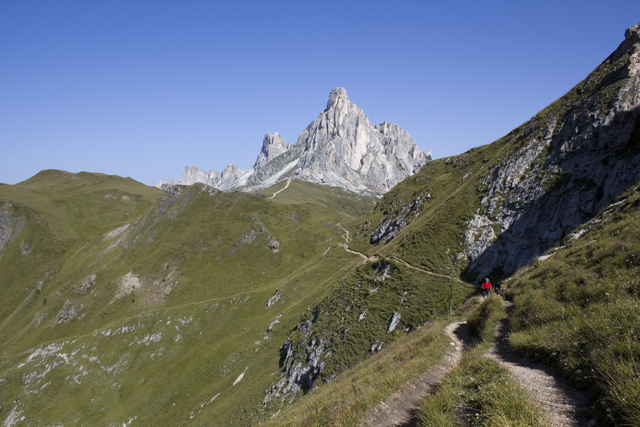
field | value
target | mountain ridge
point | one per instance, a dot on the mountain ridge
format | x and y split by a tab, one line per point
340	148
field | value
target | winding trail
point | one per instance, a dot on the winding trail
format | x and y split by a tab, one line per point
405	263
401	409
360	254
282	189
565	406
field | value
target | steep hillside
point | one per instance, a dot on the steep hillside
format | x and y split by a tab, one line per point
493	209
578	308
110	284
106	288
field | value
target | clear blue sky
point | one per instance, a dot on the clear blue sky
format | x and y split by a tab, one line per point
145	88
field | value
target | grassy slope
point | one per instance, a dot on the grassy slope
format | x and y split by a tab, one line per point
331	197
345	401
58	215
211	249
212	324
579	310
484	389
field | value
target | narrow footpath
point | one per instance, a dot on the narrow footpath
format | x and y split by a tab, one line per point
565	406
282	189
401	409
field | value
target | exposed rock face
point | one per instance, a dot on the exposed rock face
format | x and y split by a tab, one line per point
301	366
6	227
10	226
341	148
391	225
572	164
193	174
272	146
68	312
85	285
395	319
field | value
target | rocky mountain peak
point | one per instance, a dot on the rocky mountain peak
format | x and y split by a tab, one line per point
341	148
272	146
633	34
273	140
337	98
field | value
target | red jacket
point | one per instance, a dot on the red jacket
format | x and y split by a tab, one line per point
486	285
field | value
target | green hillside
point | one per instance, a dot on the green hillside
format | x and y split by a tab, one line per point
122	282
578	309
335	198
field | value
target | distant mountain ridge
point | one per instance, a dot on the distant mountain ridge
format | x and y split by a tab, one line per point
341	149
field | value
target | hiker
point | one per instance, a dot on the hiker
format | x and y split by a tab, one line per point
498	289
486	287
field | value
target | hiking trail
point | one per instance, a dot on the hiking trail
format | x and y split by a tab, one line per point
401	409
565	406
282	189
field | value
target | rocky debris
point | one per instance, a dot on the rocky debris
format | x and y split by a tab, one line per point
40	317
26	249
68	312
391	225
114	233
127	284
386	269
173	188
85	285
241	376
272	324
274	299
301	364
253	234
340	148
13	417
274	245
395	319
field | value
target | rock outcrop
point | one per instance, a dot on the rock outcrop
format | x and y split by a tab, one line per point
576	157
272	146
193	174
340	148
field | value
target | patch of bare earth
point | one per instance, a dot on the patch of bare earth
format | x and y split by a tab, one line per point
565	406
401	409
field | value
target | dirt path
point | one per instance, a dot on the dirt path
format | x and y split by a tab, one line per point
565	406
401	408
282	189
360	254
401	261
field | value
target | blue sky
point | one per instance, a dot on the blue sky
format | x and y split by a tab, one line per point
145	88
